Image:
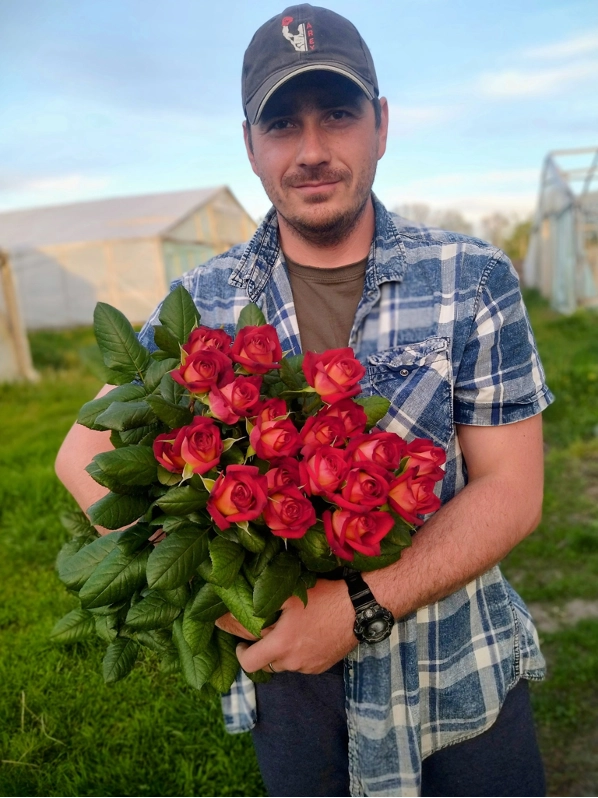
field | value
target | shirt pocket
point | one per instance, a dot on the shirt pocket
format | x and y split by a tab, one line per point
417	380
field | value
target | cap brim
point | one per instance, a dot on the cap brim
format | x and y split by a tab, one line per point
255	106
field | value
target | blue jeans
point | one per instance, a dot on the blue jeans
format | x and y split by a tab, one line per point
301	742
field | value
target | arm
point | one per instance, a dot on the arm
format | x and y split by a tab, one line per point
500	505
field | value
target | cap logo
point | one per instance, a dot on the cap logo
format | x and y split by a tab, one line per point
303	40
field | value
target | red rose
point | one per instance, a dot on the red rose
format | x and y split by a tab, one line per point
167	450
322	431
289	514
285	473
206	338
201	445
347	532
334	374
273	439
350	413
203	369
427	457
270	410
381	448
257	349
366	487
238	399
411	495
324	471
239	494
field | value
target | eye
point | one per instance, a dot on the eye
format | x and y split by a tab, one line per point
280	124
339	114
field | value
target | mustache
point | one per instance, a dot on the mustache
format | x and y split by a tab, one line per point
315	174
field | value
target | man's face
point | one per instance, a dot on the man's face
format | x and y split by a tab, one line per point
315	149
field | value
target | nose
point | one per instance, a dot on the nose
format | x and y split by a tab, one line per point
312	147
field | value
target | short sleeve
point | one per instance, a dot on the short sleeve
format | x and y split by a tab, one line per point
500	379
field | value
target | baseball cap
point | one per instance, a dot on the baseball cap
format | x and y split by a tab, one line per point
301	39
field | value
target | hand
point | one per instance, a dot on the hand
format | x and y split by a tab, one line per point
228	623
306	639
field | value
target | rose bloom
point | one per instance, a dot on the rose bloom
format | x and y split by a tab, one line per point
427	457
203	369
289	514
257	349
352	415
410	495
206	338
366	487
239	494
334	374
201	444
348	532
286	472
167	450
271	409
238	399
381	448
322	431
324	471
273	439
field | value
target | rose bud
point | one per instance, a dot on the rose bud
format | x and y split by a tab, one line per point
239	494
411	495
271	409
289	514
347	532
334	374
285	473
381	448
366	487
273	439
427	457
206	338
324	471
238	399
321	431
350	413
203	369
257	349
167	450
201	445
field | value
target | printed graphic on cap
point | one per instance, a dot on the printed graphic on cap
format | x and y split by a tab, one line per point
303	40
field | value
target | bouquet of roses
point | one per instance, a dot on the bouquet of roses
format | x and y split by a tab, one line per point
239	476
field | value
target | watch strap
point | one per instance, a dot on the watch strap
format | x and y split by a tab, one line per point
359	593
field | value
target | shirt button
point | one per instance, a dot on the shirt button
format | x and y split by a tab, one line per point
404	372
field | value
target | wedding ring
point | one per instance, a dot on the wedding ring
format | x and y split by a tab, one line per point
272	668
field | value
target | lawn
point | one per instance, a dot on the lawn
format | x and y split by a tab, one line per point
62	732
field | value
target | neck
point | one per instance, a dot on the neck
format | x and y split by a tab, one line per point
352	248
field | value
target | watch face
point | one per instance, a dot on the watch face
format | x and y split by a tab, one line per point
373	625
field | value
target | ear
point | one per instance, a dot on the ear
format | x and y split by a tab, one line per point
383	129
248	147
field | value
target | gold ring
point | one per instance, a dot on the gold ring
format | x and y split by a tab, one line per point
272	668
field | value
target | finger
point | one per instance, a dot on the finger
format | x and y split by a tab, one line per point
256	657
229	623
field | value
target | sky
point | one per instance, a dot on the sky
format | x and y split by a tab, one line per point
102	99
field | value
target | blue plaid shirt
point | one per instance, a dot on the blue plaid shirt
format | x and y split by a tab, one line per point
444	335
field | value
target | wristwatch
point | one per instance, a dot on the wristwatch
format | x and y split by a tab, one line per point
373	623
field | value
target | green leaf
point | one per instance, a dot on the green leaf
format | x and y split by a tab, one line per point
166	477
271	548
179	314
227	664
134	538
131	465
315	551
276	583
197	668
239	600
77	523
207	605
142	435
167	343
390	553
250	316
121	416
227	558
106	627
179	596
170	663
233	456
291	372
250	538
119	659
182	500
174	561
91	410
158	640
116	578
118	342
301	591
112	483
152	612
76	625
309	578
376	407
111	609
197	634
115	511
172	415
173	392
400	534
157	369
76	569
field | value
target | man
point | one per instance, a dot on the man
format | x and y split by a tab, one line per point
439	706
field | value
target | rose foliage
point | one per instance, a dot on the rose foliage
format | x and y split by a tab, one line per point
238	477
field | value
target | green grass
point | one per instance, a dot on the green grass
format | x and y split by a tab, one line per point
151	735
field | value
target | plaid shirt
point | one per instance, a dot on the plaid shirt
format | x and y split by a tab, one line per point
444	335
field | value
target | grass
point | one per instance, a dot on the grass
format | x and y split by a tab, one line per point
62	732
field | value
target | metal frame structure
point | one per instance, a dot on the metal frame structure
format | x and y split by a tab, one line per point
562	258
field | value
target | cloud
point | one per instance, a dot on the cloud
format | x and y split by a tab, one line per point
408	119
516	83
575	46
19	192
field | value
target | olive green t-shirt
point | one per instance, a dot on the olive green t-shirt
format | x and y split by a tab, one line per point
325	303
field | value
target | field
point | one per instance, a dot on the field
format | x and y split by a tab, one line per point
62	732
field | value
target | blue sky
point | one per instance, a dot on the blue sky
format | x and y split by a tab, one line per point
115	98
